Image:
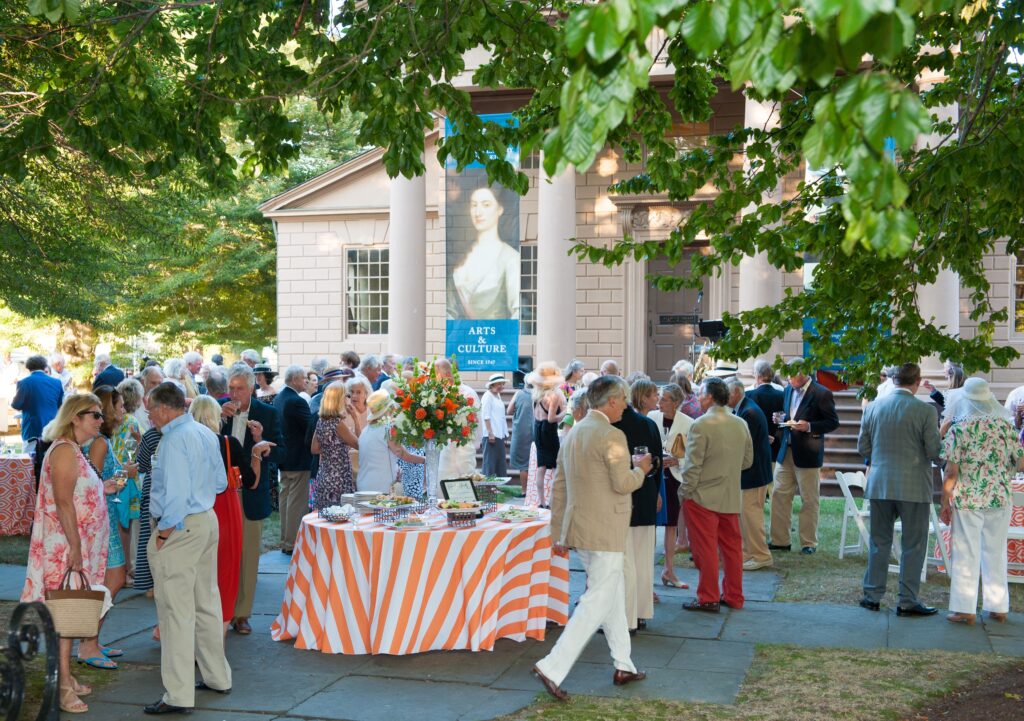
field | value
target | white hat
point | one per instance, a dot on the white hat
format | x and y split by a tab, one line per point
547	375
496	378
977	390
379	404
722	369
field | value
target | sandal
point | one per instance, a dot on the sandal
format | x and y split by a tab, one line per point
80	689
69	701
997	616
156	633
967	619
99	662
111	652
673	582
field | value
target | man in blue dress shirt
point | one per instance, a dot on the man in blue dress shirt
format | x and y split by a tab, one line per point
38	398
188	473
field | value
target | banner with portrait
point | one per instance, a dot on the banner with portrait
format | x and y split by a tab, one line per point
483	266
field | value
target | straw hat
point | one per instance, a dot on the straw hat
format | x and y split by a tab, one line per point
977	390
722	369
547	375
496	378
379	404
266	369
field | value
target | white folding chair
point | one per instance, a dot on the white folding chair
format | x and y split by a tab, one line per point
1016	533
935	529
859	513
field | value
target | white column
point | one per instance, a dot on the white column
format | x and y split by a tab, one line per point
939	302
760	283
407	283
556	270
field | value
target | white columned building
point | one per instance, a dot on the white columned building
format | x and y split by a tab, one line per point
407	245
760	283
939	302
556	269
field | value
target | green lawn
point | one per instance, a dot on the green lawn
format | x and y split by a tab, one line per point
788	683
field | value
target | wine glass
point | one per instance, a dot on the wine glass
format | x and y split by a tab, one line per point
121	476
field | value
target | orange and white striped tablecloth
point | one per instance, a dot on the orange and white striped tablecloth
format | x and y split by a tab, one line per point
17	495
1014	549
363	588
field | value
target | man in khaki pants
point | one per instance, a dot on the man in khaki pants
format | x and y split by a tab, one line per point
188	473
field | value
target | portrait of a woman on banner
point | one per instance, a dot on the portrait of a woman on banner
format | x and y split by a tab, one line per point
483	279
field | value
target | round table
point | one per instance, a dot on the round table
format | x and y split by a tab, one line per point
17	494
361	587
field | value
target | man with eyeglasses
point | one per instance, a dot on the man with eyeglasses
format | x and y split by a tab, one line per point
187	476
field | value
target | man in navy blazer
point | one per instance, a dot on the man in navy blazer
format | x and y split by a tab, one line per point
768	398
251	421
38	397
294	496
754	481
809	412
107	374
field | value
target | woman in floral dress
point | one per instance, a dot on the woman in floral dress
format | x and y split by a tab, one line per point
71	526
982	454
332	439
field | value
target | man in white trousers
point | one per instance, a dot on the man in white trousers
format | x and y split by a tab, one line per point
590	511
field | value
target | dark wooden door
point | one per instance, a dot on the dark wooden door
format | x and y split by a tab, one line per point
671	320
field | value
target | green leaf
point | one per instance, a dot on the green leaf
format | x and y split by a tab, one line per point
704	27
604	37
742	19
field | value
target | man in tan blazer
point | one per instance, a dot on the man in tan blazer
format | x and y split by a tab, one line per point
718	449
591	504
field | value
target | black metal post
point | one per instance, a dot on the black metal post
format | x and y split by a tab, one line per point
25	639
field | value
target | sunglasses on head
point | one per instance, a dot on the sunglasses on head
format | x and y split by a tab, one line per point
95	414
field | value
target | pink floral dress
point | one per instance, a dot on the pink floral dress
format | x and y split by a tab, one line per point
49	549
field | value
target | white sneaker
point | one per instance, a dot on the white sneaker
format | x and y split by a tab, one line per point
753	565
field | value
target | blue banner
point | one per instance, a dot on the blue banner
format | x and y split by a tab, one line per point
483	344
482	290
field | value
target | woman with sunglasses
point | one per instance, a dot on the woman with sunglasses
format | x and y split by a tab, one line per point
71	526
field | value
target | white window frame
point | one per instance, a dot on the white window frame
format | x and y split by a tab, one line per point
522	294
346	305
1014	335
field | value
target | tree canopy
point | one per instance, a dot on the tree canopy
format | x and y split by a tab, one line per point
144	86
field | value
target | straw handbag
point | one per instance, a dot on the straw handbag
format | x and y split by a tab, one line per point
76	611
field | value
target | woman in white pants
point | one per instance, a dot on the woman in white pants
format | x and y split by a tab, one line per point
982	453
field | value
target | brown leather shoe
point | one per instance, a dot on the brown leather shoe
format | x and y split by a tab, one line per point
997	616
551	687
621	678
241	626
695	605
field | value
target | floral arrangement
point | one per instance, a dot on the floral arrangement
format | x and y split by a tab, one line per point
430	409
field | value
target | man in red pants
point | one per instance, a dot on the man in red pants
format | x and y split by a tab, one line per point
718	449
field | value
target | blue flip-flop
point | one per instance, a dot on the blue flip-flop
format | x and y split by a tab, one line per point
99	662
111	652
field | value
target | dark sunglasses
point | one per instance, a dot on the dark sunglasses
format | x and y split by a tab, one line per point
95	414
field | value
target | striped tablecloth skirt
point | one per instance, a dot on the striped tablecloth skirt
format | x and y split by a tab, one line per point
363	588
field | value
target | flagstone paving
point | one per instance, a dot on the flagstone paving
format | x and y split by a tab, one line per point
688	657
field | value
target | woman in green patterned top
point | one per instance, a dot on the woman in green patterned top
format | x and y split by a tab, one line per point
982	454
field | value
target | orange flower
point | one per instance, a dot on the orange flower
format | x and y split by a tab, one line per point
449	405
471	417
420	414
469	400
407	403
428	434
465	431
394	432
440	414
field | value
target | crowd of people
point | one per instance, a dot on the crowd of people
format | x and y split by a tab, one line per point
161	479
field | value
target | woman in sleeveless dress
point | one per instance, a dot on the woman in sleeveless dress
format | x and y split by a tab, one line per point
333	438
71	525
101	455
548	409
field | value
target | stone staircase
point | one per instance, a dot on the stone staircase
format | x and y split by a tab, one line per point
841	445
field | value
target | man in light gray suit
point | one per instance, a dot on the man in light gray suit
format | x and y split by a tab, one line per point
899	439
